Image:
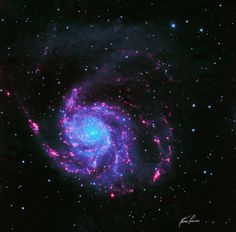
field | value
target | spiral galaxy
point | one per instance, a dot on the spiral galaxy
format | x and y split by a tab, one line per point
111	131
99	140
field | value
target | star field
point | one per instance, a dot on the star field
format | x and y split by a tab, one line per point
117	116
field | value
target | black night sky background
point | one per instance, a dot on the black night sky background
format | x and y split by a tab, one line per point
197	40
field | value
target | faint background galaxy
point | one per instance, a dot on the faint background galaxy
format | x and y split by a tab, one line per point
116	116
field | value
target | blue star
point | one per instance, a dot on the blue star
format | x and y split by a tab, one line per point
173	25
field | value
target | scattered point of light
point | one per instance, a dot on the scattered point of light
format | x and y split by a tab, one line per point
187	21
193	105
112	195
204	172
22	208
173	25
209	107
201	29
49	180
193	130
